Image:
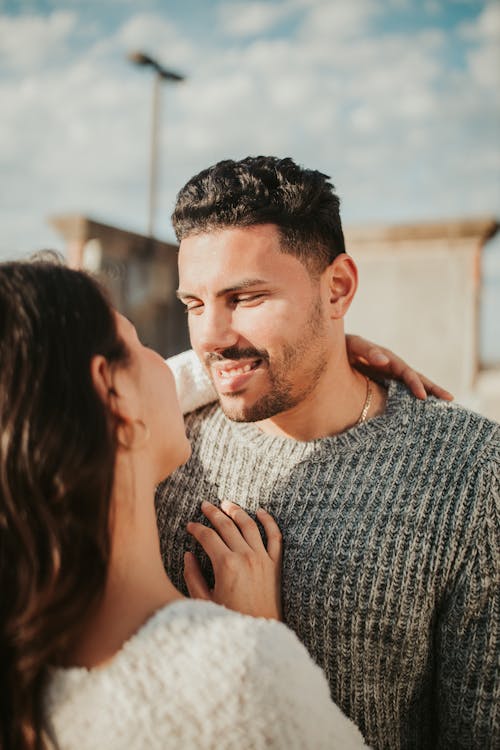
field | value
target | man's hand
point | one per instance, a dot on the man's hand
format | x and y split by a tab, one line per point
375	361
247	575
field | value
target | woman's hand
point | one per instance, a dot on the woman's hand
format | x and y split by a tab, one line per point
247	575
375	360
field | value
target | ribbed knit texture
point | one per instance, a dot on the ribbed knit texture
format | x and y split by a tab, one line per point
390	571
198	677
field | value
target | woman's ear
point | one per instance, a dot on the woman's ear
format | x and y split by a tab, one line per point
104	379
118	394
101	375
341	280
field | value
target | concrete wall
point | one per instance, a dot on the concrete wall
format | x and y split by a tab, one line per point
419	295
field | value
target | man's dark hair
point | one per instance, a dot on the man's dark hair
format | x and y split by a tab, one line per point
265	190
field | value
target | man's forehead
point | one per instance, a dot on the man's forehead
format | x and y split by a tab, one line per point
228	260
235	250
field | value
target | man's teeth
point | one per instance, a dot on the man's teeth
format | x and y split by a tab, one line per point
235	371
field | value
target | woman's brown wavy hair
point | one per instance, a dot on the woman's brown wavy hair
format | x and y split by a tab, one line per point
57	453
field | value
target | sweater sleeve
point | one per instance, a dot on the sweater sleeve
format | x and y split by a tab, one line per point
194	388
468	689
289	694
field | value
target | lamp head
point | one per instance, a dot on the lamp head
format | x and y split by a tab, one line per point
139	58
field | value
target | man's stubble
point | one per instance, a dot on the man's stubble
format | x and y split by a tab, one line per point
284	393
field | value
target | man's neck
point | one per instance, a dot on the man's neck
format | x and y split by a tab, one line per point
335	405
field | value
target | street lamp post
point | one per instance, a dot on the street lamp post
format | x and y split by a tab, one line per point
161	74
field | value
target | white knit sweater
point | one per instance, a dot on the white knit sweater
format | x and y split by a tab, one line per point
194	387
198	676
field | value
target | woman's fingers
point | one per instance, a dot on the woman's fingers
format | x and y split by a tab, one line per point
273	535
234	530
247	526
410	378
247	575
224	526
209	539
433	389
360	350
195	582
375	360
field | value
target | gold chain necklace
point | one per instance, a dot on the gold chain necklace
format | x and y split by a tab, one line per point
367	404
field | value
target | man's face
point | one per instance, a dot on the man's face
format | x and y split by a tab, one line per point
255	318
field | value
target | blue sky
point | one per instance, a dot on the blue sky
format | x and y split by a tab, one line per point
397	100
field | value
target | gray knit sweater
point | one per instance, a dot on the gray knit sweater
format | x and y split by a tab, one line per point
390	571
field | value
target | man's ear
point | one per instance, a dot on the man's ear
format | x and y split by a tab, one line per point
341	283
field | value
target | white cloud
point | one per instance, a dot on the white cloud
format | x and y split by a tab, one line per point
27	42
486	26
250	18
402	134
342	19
484	56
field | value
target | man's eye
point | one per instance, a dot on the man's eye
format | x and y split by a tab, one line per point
241	299
192	307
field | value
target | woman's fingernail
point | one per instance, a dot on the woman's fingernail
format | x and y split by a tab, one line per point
378	358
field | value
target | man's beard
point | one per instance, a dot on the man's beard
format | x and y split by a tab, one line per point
281	394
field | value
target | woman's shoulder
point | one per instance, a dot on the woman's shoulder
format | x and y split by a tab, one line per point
179	630
174	673
193	674
206	627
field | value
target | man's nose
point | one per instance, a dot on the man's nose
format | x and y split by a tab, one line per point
212	331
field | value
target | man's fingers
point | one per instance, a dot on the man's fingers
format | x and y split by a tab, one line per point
195	582
273	535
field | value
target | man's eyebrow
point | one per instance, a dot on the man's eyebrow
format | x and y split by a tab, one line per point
237	287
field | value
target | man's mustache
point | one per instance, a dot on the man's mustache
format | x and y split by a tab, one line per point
234	353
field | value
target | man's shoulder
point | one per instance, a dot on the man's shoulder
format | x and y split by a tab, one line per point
451	424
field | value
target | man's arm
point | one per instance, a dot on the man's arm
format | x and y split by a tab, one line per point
195	389
467	679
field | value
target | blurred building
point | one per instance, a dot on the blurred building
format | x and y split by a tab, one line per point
420	291
419	294
139	272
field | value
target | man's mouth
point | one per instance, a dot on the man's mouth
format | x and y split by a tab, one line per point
230	370
232	376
